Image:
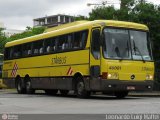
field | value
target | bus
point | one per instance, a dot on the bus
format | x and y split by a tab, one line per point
1	64
104	56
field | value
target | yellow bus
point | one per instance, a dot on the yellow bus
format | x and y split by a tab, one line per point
1	64
105	56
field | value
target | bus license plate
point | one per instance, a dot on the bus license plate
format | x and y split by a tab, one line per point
130	87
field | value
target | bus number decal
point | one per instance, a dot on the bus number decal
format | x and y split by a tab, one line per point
115	67
147	69
59	60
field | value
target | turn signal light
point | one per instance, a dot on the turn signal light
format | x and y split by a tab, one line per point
104	75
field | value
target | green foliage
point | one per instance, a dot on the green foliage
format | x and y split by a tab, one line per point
103	13
29	32
80	17
2	40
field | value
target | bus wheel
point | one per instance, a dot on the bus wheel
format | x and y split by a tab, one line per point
29	88
121	94
80	89
51	92
20	88
64	92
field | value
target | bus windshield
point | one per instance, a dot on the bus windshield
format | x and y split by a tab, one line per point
126	44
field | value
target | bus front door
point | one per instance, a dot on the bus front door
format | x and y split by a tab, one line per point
95	59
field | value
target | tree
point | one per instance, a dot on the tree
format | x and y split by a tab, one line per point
127	4
149	14
80	17
3	40
103	12
29	32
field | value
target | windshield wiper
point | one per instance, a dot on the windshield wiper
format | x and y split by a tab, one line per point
137	49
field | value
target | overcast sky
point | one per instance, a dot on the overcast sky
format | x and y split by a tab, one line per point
17	14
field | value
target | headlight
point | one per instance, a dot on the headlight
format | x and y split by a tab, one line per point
113	76
149	77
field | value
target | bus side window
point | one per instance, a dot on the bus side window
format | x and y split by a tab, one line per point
27	49
11	53
7	53
95	44
80	39
77	39
49	45
62	43
17	51
38	47
84	38
70	41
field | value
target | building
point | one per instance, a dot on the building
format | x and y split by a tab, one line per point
54	20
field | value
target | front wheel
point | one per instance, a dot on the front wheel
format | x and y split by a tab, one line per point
121	94
80	89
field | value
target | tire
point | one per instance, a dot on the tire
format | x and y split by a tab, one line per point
29	88
64	92
121	94
19	87
80	89
51	92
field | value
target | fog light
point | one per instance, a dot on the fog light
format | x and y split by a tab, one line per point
112	76
149	77
109	86
109	75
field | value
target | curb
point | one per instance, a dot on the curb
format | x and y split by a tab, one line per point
145	94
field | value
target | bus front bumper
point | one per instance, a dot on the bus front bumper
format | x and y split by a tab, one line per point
121	85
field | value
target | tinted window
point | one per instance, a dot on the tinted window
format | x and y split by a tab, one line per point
7	53
50	45
27	49
38	47
59	43
17	51
80	39
62	45
96	43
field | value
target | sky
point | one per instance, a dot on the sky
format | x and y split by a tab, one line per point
17	14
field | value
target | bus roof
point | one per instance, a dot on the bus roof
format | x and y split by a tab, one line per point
77	26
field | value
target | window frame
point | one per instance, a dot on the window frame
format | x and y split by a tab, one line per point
92	41
31	44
